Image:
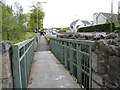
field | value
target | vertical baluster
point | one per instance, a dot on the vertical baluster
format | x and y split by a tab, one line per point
16	67
25	74
90	67
79	73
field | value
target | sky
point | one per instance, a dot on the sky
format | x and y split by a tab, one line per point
61	13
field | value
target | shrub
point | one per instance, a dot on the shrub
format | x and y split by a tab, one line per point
97	28
47	37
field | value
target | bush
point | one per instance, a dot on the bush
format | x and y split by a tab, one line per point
27	35
118	27
97	28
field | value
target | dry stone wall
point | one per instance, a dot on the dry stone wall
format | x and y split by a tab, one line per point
105	59
6	71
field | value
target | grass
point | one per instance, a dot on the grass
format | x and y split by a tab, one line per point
47	37
25	37
64	29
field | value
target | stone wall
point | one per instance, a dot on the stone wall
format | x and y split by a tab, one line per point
6	71
105	59
106	62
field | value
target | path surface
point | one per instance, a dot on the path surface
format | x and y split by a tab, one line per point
47	72
42	46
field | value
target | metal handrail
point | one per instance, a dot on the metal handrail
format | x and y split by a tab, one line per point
76	56
22	57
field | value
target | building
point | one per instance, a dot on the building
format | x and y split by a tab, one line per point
77	24
101	18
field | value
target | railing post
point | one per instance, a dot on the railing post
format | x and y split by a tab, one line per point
71	59
16	67
79	73
65	51
25	58
90	64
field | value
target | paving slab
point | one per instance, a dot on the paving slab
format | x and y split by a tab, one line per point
47	72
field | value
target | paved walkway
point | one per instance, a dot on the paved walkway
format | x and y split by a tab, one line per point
42	46
47	72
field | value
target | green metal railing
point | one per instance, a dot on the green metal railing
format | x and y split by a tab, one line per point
23	53
76	56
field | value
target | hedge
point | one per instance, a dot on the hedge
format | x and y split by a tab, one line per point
97	28
117	26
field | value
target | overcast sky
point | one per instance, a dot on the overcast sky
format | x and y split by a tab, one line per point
61	13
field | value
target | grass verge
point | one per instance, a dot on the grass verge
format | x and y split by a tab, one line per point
27	35
47	37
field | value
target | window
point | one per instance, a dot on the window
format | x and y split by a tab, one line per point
71	26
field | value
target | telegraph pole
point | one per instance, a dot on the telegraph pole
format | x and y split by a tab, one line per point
37	17
111	26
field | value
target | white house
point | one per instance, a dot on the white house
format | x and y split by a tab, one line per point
101	18
77	24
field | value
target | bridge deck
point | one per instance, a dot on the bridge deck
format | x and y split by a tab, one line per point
47	72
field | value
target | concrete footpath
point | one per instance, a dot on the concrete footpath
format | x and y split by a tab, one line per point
42	45
47	72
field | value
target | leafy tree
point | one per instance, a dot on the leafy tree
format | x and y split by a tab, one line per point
114	20
35	17
13	22
6	21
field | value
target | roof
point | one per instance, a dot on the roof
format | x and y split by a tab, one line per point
108	15
74	22
85	22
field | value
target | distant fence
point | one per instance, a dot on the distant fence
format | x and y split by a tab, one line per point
23	53
76	56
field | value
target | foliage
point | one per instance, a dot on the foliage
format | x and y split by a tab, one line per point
47	37
14	22
63	29
97	28
114	20
27	35
117	26
119	18
36	17
13	27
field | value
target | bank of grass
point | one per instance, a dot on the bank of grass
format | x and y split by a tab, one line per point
27	35
63	29
47	37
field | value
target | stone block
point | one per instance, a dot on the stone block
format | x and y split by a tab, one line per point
95	85
111	36
97	78
114	62
107	81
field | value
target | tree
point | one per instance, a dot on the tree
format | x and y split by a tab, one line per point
6	21
13	22
36	17
114	20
